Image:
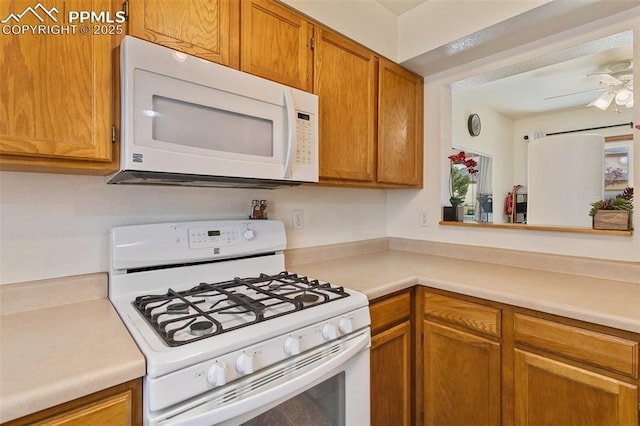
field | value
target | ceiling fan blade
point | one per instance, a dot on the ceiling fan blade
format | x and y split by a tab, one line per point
599	89
606	78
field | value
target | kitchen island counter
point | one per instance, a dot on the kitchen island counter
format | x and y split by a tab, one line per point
612	303
61	339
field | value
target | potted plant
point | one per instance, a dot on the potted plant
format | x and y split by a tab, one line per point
461	169
613	213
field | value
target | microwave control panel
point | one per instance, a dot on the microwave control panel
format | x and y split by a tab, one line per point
304	140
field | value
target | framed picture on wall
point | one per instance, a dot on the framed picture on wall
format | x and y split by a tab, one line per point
616	167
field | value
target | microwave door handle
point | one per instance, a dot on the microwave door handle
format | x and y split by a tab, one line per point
291	124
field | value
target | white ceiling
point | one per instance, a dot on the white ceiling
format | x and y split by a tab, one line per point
522	90
519	90
398	7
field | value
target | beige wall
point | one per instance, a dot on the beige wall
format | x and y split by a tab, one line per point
58	225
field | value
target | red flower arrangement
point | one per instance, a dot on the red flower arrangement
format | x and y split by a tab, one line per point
461	158
459	180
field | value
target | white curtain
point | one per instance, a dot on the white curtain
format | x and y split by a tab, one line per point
484	193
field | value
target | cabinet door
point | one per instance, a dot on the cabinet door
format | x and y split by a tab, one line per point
117	406
208	29
276	44
57	93
400	128
461	378
115	410
346	84
391	376
550	393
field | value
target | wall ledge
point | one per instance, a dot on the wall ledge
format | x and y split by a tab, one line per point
574	265
299	256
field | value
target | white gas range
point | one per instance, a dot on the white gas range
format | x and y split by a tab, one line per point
229	336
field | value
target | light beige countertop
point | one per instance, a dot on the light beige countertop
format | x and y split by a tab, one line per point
60	340
607	302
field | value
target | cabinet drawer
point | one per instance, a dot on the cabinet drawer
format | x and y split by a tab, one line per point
590	347
480	318
390	311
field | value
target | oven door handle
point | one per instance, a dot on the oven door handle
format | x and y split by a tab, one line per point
272	396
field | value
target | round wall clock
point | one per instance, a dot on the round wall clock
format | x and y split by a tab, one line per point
474	124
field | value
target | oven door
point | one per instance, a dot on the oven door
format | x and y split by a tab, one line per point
326	385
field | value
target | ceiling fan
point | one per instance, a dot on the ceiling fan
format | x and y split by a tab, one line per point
617	84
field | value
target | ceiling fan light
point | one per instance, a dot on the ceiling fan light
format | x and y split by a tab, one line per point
603	101
623	96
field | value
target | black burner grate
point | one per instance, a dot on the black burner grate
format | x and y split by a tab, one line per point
182	317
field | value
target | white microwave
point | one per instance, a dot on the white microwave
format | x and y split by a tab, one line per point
187	121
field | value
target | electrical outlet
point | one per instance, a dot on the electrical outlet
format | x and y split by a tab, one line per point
424	218
298	219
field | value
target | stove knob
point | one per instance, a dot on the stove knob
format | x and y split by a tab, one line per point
217	374
329	332
345	326
249	234
292	346
244	363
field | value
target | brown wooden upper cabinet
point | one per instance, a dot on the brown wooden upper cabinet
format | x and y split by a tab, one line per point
400	128
206	29
276	44
371	124
345	81
60	97
56	113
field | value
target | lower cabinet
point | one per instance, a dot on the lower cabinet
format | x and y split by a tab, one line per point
120	405
391	360
487	363
573	374
461	361
462	378
550	392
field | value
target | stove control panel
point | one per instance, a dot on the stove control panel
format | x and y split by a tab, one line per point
159	244
213	237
